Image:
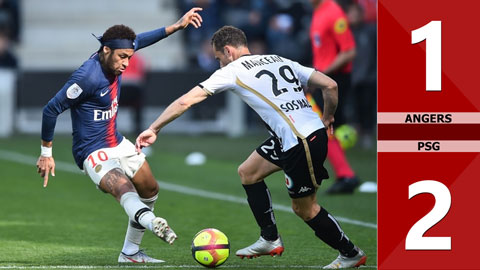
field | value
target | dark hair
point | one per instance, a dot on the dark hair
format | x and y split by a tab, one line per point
228	35
119	31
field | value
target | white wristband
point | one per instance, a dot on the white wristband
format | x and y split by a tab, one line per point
46	151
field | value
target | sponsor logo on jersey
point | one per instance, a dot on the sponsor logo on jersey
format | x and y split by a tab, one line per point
340	26
98	168
295	105
99	115
288	182
74	91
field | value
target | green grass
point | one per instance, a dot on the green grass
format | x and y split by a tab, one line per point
70	223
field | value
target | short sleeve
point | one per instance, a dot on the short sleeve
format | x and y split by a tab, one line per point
219	81
343	34
303	72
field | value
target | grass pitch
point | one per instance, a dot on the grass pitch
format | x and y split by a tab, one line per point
71	225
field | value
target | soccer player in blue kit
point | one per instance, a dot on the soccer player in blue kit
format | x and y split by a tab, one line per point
109	159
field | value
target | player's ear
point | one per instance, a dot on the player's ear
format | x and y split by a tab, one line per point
106	50
227	51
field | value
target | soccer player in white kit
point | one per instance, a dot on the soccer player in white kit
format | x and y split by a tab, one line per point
272	86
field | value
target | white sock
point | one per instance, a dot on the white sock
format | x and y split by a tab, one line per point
133	238
134	234
130	201
150	202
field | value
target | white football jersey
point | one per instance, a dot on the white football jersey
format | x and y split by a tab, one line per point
272	86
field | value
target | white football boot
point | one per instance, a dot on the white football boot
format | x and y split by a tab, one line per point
139	257
344	262
162	230
262	247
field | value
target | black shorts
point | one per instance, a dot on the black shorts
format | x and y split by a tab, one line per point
302	164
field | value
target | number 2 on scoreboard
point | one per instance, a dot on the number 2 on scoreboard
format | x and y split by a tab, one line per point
443	201
432	33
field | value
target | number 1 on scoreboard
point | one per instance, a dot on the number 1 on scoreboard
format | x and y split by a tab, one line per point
432	33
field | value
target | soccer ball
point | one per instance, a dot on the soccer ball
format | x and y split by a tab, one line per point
210	247
346	135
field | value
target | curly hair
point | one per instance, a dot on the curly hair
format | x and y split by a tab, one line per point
119	31
228	35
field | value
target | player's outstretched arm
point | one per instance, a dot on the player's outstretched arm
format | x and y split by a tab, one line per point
172	112
191	17
46	163
145	139
330	95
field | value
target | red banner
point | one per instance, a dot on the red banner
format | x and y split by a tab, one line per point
428	134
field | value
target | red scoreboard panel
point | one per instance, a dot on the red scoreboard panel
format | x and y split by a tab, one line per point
428	134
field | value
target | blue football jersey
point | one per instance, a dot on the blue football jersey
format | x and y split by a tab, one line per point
92	97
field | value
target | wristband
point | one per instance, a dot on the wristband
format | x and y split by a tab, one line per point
46	151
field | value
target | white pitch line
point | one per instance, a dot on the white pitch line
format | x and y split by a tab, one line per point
164	266
69	167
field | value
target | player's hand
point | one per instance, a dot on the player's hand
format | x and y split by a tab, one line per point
328	122
146	138
45	166
191	17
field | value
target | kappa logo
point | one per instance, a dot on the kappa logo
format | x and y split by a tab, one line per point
304	189
104	93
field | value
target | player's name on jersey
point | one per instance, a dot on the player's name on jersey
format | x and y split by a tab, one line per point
269	59
429	146
428	118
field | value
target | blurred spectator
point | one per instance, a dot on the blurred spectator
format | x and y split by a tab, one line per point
364	73
281	37
369	8
133	87
197	37
7	58
205	58
257	46
10	18
249	15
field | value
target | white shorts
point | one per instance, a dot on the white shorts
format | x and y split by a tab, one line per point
122	156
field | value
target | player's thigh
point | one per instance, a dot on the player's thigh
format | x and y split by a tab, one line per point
255	168
116	183
303	165
144	181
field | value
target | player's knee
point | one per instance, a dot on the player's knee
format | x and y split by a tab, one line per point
246	176
152	190
305	211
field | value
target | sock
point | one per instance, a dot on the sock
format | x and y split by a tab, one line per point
150	202
133	238
137	210
135	231
260	202
337	159
329	231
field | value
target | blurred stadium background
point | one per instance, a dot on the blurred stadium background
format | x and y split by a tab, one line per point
42	42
